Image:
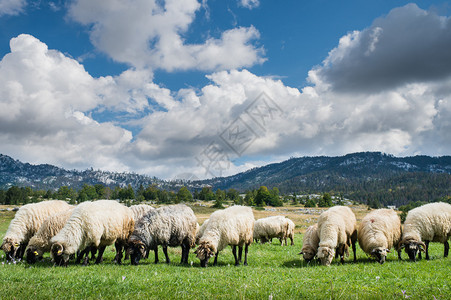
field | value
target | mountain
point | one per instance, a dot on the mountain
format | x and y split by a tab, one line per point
44	176
365	176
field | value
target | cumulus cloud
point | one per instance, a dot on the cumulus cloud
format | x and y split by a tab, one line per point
408	45
12	7
150	34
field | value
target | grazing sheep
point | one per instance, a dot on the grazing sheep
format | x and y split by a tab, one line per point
378	232
26	223
173	225
310	243
429	223
337	230
272	227
231	226
40	242
201	231
93	224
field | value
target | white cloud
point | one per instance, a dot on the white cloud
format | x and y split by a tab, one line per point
12	7
249	3
148	34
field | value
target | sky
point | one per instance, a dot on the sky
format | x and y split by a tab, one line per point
200	89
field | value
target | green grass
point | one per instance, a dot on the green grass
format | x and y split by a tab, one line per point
273	271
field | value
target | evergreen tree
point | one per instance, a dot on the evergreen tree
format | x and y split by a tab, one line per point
325	201
184	195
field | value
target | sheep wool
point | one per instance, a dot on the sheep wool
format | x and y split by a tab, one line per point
173	225
140	210
40	242
231	226
93	224
428	223
337	230
378	232
26	223
310	243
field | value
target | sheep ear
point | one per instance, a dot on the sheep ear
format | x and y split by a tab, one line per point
16	245
387	250
35	253
373	251
422	246
301	253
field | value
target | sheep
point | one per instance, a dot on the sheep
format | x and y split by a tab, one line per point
201	231
231	226
429	223
337	230
26	223
173	225
378	232
272	227
40	242
310	243
93	224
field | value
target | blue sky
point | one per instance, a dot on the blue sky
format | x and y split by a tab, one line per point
170	88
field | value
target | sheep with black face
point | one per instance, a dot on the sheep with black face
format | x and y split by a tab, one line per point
428	223
173	225
93	224
378	232
40	242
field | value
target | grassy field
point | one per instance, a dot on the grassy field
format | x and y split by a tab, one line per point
274	272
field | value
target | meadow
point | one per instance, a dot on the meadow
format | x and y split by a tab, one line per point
274	272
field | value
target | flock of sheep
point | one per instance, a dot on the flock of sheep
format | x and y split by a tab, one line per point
377	233
68	231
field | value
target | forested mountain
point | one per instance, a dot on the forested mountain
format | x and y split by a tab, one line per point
365	177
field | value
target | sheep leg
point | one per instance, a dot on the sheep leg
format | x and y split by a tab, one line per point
156	254
427	249
446	249
80	255
86	260
216	259
184	252
119	255
100	255
237	263
21	251
292	242
165	251
93	253
245	254
240	253
355	252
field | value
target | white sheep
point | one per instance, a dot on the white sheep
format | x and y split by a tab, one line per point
173	225
231	226
428	223
93	224
310	243
337	231
40	242
378	232
26	223
271	227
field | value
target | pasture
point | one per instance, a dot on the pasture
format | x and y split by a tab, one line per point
274	272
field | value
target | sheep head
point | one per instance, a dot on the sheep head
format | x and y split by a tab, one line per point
308	254
412	247
33	254
10	247
136	250
59	256
380	254
204	252
326	255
